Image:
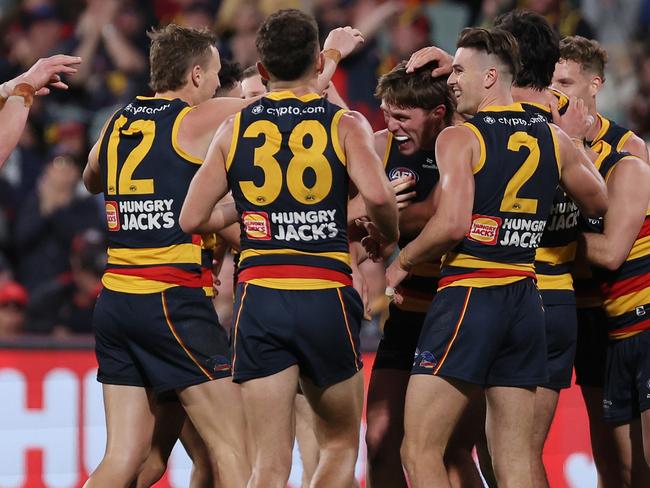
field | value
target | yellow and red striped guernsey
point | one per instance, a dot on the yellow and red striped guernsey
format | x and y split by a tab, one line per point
626	292
287	172
145	176
515	182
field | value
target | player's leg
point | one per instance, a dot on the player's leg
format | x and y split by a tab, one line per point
337	412
509	427
385	427
561	334
129	428
645	432
215	409
461	468
590	360
269	407
170	418
204	467
519	367
386	396
306	438
433	407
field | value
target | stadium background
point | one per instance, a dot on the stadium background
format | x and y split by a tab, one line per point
52	231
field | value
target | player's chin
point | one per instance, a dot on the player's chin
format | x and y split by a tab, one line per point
407	147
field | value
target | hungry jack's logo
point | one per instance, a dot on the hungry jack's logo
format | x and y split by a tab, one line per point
484	229
112	216
257	225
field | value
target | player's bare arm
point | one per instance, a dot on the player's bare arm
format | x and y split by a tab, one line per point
637	147
208	186
578	178
367	173
91	175
451	222
340	42
629	195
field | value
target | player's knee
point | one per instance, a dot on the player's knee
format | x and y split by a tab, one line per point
126	463
379	437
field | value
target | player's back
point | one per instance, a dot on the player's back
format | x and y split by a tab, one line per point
145	176
287	172
515	181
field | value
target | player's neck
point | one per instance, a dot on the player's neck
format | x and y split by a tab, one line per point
497	98
183	94
299	87
596	126
531	95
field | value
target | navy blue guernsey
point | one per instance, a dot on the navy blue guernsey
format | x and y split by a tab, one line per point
557	249
612	133
515	181
288	176
145	176
419	287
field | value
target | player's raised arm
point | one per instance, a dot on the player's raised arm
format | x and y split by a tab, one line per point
367	173
200	213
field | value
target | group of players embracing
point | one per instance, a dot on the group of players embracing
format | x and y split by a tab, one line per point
495	183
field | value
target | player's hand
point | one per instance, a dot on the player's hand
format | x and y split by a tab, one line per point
399	185
576	121
428	54
394	276
46	73
374	243
344	40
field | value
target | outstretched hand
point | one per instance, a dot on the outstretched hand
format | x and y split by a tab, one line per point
46	73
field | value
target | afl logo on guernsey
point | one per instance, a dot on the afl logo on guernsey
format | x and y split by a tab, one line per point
401	172
485	229
257	225
112	216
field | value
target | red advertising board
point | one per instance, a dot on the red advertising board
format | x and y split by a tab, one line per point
52	426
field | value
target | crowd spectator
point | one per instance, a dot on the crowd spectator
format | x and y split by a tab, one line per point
47	221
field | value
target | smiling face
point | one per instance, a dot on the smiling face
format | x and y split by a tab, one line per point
412	128
467	79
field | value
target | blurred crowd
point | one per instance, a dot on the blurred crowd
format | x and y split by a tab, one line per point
52	233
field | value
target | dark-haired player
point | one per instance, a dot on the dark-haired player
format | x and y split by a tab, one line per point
287	160
485	328
230	76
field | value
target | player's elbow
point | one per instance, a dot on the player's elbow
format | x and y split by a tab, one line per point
596	205
613	260
457	227
189	221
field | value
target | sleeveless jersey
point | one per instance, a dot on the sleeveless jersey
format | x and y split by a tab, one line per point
287	173
612	133
626	291
557	249
145	176
419	287
515	181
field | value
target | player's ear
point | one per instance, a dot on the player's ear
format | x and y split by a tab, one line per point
595	85
197	75
490	77
263	71
438	112
320	63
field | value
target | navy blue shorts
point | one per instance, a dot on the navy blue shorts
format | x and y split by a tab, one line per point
591	347
561	334
164	341
492	336
627	378
316	329
396	349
